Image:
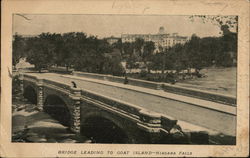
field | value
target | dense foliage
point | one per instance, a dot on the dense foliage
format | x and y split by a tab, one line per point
88	53
197	53
71	50
18	47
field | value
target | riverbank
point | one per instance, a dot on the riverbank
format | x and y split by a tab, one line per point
214	79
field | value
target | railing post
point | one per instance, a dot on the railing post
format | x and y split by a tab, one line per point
40	95
152	123
76	110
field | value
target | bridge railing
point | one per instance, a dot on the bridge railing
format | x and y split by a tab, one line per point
36	79
148	118
89	75
196	93
131	109
57	84
29	77
131	81
60	69
201	94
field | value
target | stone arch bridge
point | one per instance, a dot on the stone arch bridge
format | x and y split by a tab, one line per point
107	120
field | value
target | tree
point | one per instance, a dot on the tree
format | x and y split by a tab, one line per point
157	61
127	50
229	28
225	23
112	64
138	46
41	51
70	48
148	50
194	53
118	45
18	50
129	54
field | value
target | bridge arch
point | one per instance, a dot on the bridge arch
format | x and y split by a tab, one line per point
57	108
30	94
100	127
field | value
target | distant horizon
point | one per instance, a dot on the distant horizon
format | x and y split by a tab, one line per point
26	35
103	26
95	36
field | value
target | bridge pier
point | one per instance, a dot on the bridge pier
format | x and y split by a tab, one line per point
21	78
40	95
76	110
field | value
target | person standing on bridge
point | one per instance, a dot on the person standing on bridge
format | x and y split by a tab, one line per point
73	84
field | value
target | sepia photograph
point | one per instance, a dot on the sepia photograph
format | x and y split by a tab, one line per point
124	78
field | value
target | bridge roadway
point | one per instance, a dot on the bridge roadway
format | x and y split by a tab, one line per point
211	119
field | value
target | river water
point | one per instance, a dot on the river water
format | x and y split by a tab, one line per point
219	80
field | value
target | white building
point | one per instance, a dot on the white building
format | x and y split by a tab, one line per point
161	40
111	40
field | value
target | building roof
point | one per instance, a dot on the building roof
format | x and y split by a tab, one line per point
154	36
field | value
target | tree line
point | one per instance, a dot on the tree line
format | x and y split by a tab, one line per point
90	54
197	53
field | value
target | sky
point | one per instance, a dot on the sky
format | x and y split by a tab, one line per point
111	25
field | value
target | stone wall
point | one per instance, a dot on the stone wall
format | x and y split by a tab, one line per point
201	94
131	81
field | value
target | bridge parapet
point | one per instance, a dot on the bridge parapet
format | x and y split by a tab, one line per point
191	92
28	77
113	103
202	94
59	85
148	120
131	81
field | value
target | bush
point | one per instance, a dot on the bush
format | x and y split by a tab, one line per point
143	73
118	70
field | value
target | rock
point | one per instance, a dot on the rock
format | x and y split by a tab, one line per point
88	141
20	107
36	139
200	137
24	99
51	140
32	135
68	141
65	135
176	132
